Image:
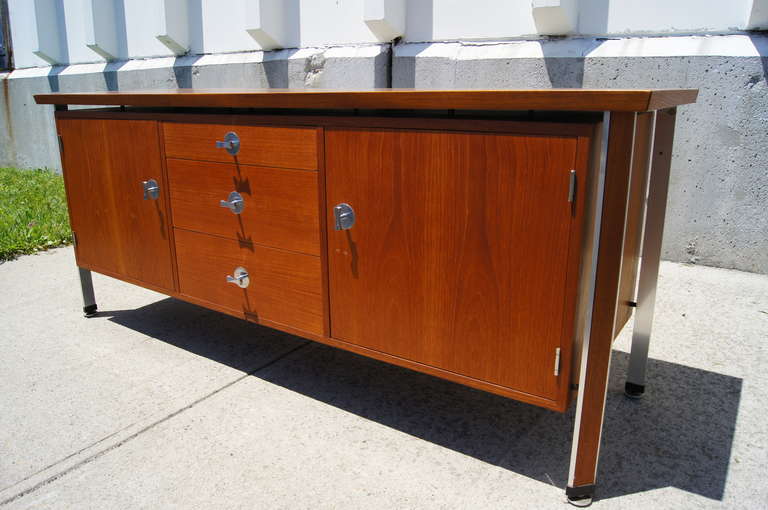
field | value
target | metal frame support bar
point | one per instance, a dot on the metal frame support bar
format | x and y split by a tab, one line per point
605	271
575	495
86	281
89	298
653	232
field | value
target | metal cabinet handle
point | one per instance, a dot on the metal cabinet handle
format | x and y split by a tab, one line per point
231	143
344	216
234	202
151	189
241	278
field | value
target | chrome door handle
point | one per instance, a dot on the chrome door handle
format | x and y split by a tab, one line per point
241	278
344	216
234	202
151	189
231	143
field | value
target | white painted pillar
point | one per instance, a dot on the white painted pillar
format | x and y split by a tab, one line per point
758	15
100	28
555	17
173	29
49	42
385	18
273	23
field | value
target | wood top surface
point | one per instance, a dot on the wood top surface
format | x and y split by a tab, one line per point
626	100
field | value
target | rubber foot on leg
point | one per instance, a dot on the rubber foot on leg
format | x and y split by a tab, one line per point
89	311
633	390
580	496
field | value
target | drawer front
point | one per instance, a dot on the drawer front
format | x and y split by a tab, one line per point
284	289
282	147
279	206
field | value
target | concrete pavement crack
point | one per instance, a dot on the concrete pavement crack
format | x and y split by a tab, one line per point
78	452
152	425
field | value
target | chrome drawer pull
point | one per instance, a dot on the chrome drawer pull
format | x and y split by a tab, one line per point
231	143
344	216
151	189
240	279
234	202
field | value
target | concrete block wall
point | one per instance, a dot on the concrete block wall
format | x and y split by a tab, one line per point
27	132
719	190
718	199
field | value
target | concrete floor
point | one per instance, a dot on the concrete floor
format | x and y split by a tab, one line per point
156	403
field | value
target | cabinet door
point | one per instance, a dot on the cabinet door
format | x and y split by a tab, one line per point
118	231
458	256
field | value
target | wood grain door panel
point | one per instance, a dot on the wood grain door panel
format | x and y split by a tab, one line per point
458	257
280	205
285	287
118	231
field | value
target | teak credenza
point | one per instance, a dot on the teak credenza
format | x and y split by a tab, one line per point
489	237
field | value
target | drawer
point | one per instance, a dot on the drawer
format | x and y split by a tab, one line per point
285	287
283	147
279	206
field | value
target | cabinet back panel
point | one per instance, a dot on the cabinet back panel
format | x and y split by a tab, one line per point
458	257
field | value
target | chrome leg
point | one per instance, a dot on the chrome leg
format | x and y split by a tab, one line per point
641	335
580	494
651	252
89	298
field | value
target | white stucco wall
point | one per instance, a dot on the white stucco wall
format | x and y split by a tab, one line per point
329	22
634	17
221	27
140	27
59	29
718	190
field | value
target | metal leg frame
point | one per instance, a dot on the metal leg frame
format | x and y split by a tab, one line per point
649	270
581	494
596	350
89	298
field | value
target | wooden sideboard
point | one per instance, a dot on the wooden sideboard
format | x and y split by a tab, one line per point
492	238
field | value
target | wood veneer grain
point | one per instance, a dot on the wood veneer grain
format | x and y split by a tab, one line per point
105	162
285	287
459	256
280	205
561	123
635	209
572	332
609	258
635	100
282	147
